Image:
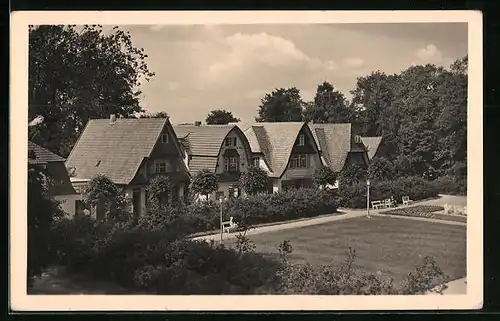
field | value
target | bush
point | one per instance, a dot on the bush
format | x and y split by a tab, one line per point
450	185
289	205
352	174
416	188
254	180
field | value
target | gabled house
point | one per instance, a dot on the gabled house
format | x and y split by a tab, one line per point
222	149
53	168
286	150
339	146
130	152
374	146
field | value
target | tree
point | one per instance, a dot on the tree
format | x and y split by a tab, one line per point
282	105
381	168
329	106
159	114
79	73
352	174
324	176
158	188
254	180
204	183
221	117
372	97
43	210
102	193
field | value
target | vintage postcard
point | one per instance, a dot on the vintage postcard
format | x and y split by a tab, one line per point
246	160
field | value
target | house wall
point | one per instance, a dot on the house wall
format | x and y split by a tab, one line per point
68	203
244	152
314	158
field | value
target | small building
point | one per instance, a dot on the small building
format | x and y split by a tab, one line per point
221	149
287	151
339	146
53	168
130	152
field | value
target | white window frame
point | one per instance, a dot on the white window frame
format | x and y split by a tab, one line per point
256	161
164	138
302	140
231	164
299	161
157	166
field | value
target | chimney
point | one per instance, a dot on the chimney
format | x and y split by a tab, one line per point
197	123
112	118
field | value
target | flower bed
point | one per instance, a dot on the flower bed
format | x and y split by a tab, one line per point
416	211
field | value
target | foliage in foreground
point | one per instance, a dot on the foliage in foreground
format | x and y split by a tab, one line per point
157	261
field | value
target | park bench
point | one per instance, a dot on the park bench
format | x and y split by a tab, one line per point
229	226
389	203
377	204
407	200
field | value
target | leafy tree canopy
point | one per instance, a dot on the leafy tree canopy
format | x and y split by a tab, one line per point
221	117
282	105
79	73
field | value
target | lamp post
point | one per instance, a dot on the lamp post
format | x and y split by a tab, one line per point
368	198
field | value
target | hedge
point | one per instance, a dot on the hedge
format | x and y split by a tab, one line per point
450	185
417	188
151	261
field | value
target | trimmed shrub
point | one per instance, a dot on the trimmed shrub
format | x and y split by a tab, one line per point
450	185
416	188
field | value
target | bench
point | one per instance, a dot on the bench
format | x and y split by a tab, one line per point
229	226
406	200
389	203
378	204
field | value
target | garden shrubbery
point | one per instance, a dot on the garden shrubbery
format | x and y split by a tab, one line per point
450	185
417	188
154	261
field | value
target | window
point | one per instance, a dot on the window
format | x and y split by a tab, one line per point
302	140
231	164
160	166
164	138
230	141
299	161
256	162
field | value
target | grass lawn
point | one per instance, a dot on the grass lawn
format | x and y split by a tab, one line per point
393	247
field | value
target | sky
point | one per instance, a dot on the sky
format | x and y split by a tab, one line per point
200	68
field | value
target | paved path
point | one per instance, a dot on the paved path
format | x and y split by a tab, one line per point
347	214
453	288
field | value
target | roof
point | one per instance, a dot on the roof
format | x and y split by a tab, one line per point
115	150
41	155
202	144
372	144
275	141
334	140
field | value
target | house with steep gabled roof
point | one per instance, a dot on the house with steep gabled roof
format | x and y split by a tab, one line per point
286	150
130	152
221	149
339	146
53	168
373	145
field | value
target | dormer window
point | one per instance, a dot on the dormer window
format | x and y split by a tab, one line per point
164	138
302	140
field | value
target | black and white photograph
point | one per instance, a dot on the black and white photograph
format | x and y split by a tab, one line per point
295	162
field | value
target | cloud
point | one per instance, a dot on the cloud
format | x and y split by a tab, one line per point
430	54
246	53
354	62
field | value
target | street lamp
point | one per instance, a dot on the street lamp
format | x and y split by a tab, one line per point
221	199
368	198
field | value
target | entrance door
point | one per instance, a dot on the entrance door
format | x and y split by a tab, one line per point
136	201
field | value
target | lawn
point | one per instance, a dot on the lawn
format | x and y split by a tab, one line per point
390	246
